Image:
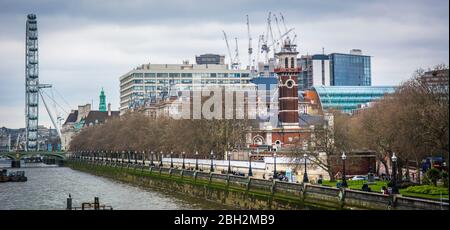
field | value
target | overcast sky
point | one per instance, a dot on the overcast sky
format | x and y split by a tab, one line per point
87	45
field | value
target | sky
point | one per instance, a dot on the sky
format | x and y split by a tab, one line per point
85	46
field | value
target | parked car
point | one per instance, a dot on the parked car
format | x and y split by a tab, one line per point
359	178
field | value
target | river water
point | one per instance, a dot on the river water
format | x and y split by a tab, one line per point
47	188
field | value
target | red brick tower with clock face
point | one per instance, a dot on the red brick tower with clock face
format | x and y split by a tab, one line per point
287	72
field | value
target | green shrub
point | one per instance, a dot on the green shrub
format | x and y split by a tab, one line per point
390	184
434	175
444	176
405	184
427	189
426	180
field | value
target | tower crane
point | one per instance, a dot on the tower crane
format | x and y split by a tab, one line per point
278	25
236	61
265	48
276	41
228	47
260	38
285	28
284	23
250	49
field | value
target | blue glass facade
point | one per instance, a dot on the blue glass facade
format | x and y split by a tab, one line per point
350	70
348	98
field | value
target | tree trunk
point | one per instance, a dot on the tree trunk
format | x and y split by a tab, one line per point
399	171
407	170
386	169
418	174
330	173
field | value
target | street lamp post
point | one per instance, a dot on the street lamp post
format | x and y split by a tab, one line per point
250	173
196	160
171	159
143	157
184	155
135	157
151	159
275	165
305	175
161	159
394	174
229	162
344	179
212	167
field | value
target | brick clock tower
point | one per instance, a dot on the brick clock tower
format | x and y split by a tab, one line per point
287	72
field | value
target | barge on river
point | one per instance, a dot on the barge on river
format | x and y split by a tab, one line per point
16	176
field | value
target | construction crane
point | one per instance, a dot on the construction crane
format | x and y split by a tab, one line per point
260	39
277	41
228	47
284	23
286	30
236	61
264	47
250	49
278	26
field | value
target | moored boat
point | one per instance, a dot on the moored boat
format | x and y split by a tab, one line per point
16	176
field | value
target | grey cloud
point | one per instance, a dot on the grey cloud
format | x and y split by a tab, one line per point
86	45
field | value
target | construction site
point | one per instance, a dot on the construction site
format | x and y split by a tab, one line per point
150	83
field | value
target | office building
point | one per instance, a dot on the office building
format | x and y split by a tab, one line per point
150	81
353	69
347	98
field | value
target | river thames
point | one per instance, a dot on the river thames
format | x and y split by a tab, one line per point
47	188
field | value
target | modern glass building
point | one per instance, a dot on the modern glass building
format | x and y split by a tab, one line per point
350	69
349	98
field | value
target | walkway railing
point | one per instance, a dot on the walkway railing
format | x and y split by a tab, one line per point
302	190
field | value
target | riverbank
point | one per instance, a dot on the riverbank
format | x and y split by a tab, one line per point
249	193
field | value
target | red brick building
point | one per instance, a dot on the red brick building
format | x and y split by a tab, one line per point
357	163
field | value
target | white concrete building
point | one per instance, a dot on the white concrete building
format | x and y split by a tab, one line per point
157	80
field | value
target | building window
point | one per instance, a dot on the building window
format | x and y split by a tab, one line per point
186	75
149	75
286	63
162	75
258	140
292	63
